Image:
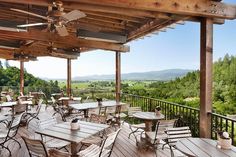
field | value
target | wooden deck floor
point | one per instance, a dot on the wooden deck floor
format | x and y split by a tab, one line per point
124	147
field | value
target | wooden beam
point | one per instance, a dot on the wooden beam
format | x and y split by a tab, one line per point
204	8
70	40
69	78
22	76
38	50
206	60
90	7
118	76
6	53
116	16
100	35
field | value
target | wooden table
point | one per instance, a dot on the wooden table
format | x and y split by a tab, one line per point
202	147
85	106
62	131
14	103
148	118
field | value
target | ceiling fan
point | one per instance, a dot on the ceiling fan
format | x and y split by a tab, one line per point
56	18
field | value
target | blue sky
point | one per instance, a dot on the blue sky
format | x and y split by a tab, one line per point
175	48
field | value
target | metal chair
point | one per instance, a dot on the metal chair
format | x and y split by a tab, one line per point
156	137
58	109
35	147
10	132
135	128
175	134
104	150
34	114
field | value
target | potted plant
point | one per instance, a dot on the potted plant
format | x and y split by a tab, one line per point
224	140
158	110
74	124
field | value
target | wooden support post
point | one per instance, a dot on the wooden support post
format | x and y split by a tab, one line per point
118	76
69	77
22	77
206	76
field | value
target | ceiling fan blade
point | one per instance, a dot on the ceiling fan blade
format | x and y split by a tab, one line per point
62	31
29	13
73	15
32	24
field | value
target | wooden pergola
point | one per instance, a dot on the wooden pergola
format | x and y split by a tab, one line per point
109	25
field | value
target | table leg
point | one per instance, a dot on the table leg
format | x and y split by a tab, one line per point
13	110
148	125
74	149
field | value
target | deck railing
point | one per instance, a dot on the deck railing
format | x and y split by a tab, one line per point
189	115
220	122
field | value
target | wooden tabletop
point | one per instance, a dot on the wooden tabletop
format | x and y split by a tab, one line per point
84	106
67	98
62	131
202	147
13	103
148	116
8	104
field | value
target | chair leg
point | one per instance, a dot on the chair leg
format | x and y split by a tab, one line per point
171	152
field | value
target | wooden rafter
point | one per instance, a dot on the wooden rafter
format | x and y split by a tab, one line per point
68	40
205	8
143	8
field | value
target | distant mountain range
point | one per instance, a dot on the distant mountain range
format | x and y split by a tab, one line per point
151	75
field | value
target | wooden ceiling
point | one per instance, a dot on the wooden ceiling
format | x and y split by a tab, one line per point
108	25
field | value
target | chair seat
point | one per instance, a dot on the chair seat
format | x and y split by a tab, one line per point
56	143
92	140
159	137
93	151
141	125
123	115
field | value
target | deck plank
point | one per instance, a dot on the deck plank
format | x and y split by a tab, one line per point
124	147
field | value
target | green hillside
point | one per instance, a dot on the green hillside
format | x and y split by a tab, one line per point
10	78
185	90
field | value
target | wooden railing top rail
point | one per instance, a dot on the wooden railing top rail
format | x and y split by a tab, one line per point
192	108
221	116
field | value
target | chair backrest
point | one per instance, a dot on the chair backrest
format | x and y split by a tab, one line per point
164	124
14	125
58	153
93	111
9	98
39	106
133	110
175	134
35	147
109	143
110	110
124	108
95	118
